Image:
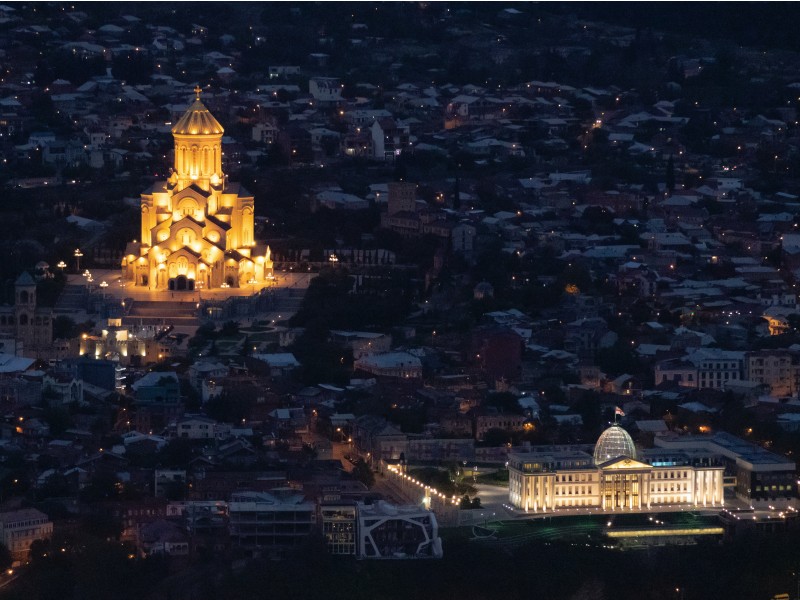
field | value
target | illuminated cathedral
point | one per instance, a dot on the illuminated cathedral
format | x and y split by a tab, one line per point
197	227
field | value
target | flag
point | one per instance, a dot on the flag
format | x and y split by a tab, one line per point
618	411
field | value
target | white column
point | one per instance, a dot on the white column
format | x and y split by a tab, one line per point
601	487
696	490
640	485
705	487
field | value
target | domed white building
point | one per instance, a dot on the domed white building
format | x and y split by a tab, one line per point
613	478
613	443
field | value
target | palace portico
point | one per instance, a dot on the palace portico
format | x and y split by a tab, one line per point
197	228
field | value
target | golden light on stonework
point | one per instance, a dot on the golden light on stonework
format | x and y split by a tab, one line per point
572	289
190	211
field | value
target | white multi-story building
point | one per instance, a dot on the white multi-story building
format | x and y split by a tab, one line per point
775	368
391	364
716	367
677	370
20	528
363	343
703	368
614	478
325	89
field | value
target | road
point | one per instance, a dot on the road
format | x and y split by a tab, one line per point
338	449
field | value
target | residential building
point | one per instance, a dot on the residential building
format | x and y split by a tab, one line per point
391	364
196	428
325	89
716	367
388	139
363	343
20	528
777	369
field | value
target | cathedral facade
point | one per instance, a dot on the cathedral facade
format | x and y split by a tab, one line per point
197	228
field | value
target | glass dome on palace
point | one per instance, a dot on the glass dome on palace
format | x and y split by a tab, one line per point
613	443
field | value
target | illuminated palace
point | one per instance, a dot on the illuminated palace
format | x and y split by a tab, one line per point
197	227
616	477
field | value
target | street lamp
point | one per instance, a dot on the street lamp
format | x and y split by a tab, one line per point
77	254
62	265
103	286
252	282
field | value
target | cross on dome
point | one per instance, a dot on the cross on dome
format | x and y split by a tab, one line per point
197	91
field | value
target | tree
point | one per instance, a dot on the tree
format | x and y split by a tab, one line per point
177	453
5	557
64	328
230	329
467	504
363	473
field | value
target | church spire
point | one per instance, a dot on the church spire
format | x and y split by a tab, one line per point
198	146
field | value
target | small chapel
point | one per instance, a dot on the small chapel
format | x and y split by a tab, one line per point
197	227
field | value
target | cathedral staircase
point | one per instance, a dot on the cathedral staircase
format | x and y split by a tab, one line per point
288	300
73	299
182	314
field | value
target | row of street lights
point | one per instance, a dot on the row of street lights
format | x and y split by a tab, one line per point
77	254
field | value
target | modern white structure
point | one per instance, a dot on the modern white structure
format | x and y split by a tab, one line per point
388	531
615	479
278	519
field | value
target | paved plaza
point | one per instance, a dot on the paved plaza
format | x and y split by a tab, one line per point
119	289
109	284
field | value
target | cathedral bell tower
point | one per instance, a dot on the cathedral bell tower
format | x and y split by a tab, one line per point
198	148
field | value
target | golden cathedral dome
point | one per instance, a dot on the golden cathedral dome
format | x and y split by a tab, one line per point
197	120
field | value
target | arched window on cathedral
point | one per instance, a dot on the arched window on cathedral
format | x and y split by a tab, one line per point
23	297
186	237
23	319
